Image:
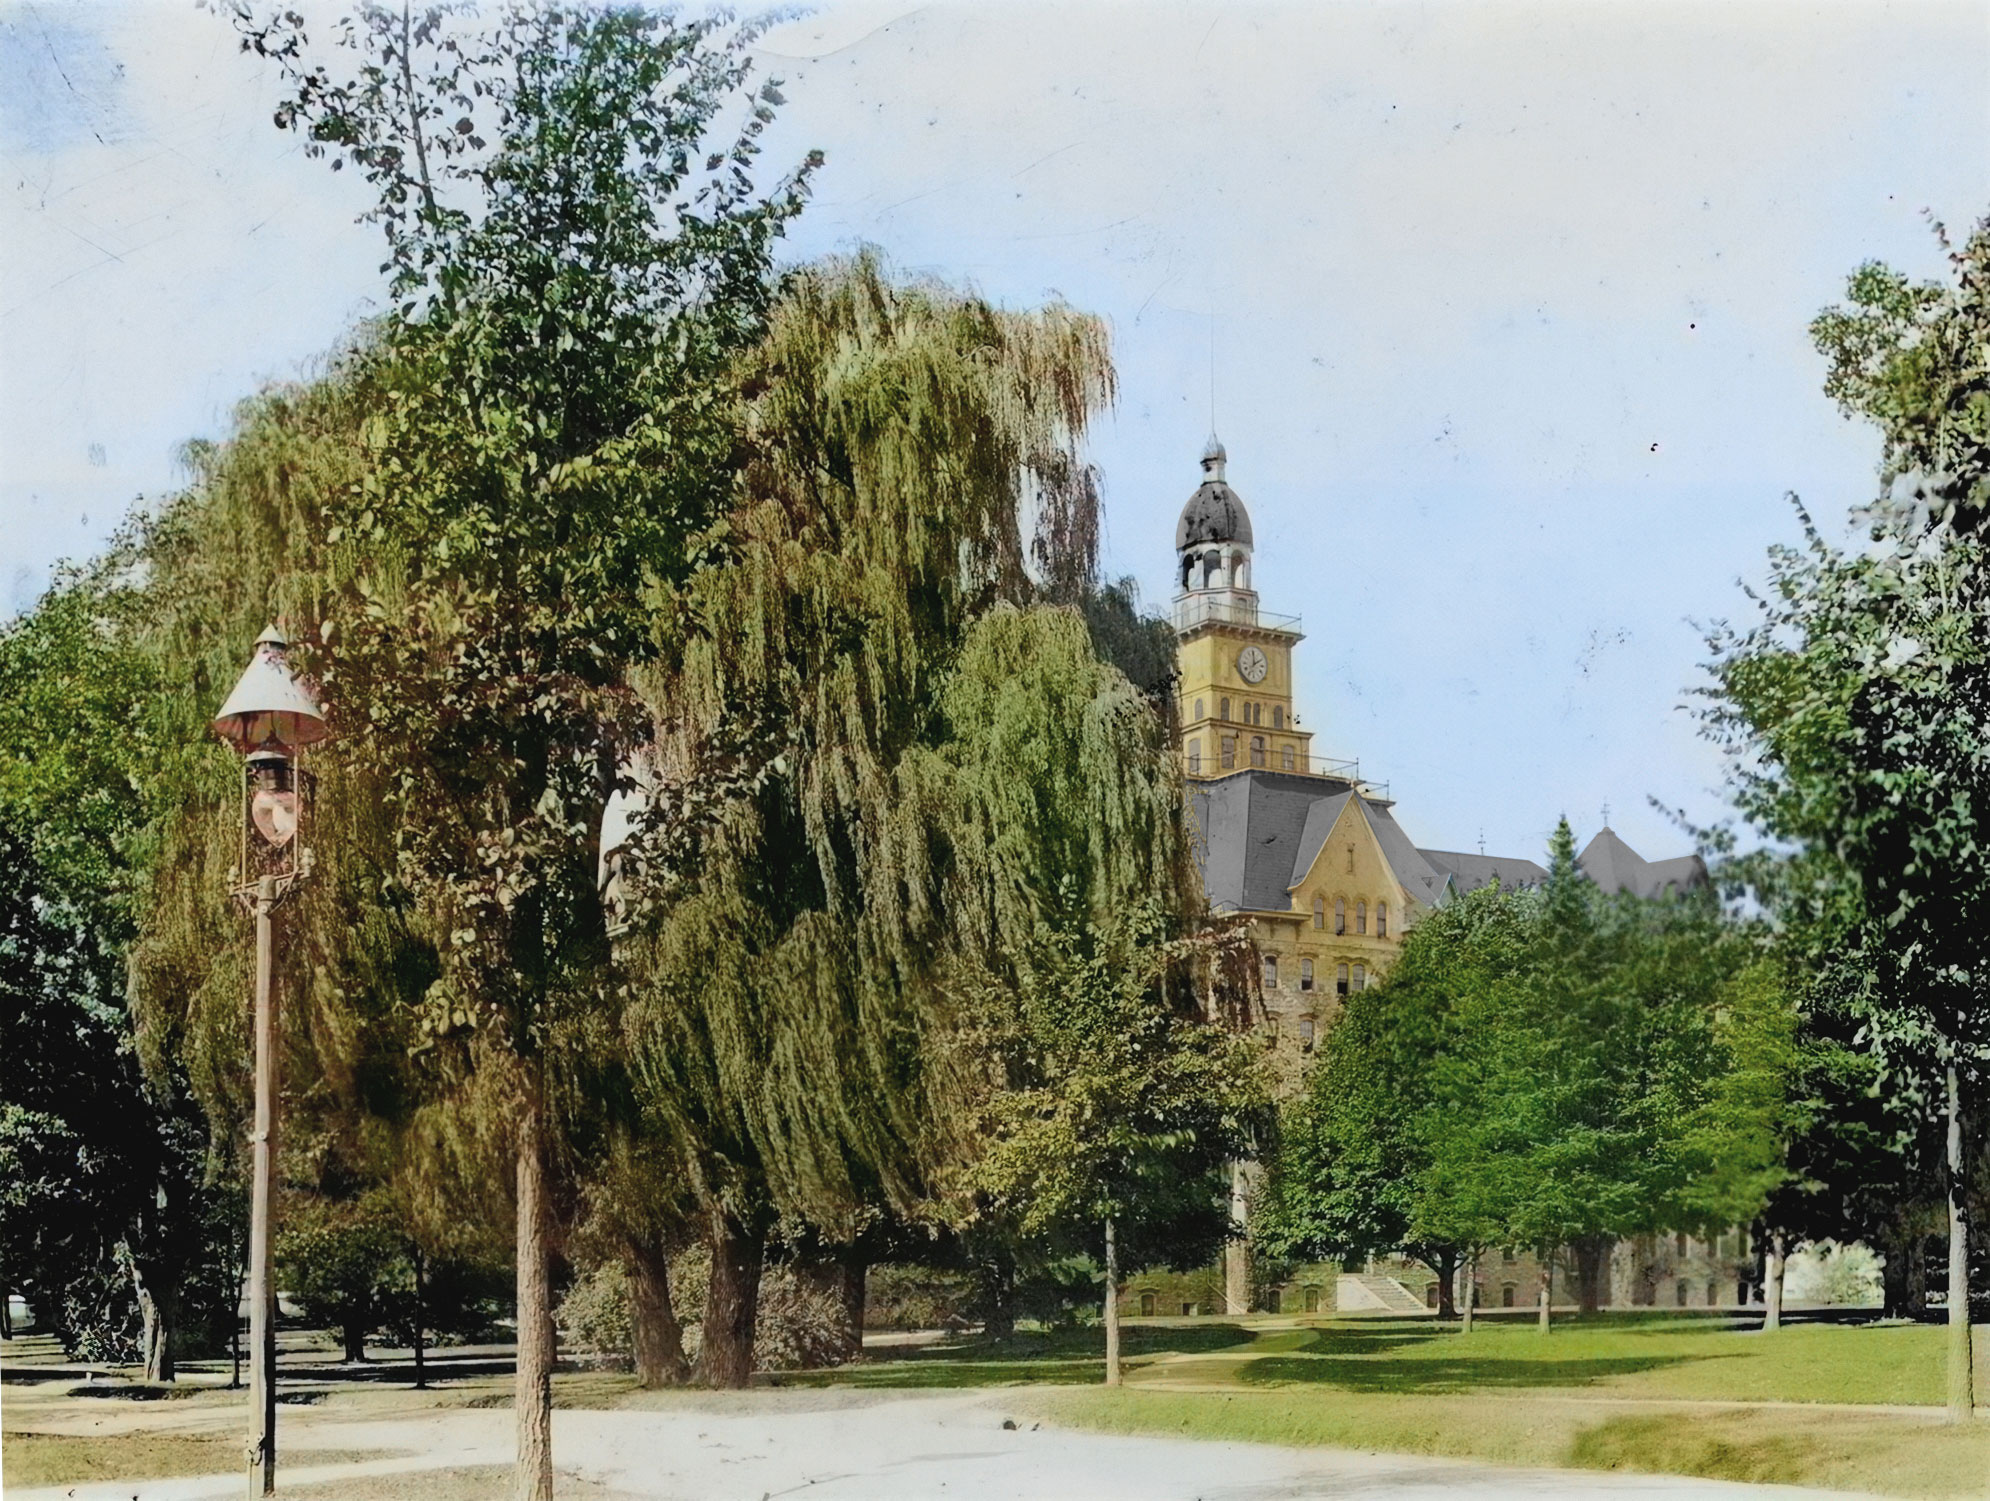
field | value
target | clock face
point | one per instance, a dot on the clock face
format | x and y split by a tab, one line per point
1251	663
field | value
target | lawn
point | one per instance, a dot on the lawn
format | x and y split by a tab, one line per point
1616	1355
1648	1393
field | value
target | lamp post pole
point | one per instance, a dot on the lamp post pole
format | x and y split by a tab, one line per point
262	1144
269	717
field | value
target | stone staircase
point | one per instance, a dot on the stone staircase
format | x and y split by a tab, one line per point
1371	1292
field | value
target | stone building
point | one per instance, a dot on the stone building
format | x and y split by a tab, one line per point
1312	851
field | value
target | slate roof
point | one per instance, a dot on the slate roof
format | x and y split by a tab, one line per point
1469	872
1259	832
1614	866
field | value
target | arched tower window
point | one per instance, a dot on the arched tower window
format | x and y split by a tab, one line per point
1340	914
1381	919
1288	758
1223	708
1278	716
1198	708
1257	750
1319	912
1361	917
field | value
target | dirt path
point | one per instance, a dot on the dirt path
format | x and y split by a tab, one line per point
880	1448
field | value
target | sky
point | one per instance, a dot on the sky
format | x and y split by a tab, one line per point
1500	309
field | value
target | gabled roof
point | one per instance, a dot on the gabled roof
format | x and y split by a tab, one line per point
1262	830
1469	872
1614	866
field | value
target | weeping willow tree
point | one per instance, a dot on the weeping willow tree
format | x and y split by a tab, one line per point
809	951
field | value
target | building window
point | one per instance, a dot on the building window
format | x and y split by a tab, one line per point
1288	758
1506	1295
1147	1305
1360	977
1271	1300
1340	914
1679	1289
1381	919
1361	917
1340	979
1271	971
1194	756
1306	1034
1430	1295
1198	708
1506	1255
1319	912
1278	716
1713	1295
1229	752
1257	750
1305	974
1223	708
1312	1300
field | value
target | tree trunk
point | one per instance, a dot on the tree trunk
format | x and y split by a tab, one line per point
997	1276
533	1399
353	1337
659	1337
1962	1395
1444	1262
1591	1262
1772	1283
1471	1290
732	1300
421	1313
856	1297
1112	1306
1547	1288
158	1296
1893	1283
6	1312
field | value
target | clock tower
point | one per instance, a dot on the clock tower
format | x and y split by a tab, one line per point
1235	661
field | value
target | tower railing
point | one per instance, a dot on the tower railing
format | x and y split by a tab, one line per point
1192	611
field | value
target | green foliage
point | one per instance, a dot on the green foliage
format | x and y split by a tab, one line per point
1538	1069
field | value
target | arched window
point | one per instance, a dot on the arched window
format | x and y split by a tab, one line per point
1713	1294
1506	1295
1340	914
1194	757
1361	917
1229	752
1278	716
1223	708
1312	1300
1340	979
1306	1035
1198	708
1271	971
1305	974
1360	977
1287	753
1381	919
1257	750
1147	1305
1319	912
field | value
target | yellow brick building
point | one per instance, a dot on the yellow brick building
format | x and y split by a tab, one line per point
1304	845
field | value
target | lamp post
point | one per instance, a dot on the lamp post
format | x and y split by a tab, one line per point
269	719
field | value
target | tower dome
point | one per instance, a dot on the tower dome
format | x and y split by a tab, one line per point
1215	513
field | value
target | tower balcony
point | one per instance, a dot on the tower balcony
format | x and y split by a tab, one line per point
1194	611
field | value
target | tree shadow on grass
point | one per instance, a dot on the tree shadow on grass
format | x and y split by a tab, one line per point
1439	1376
1053	1357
